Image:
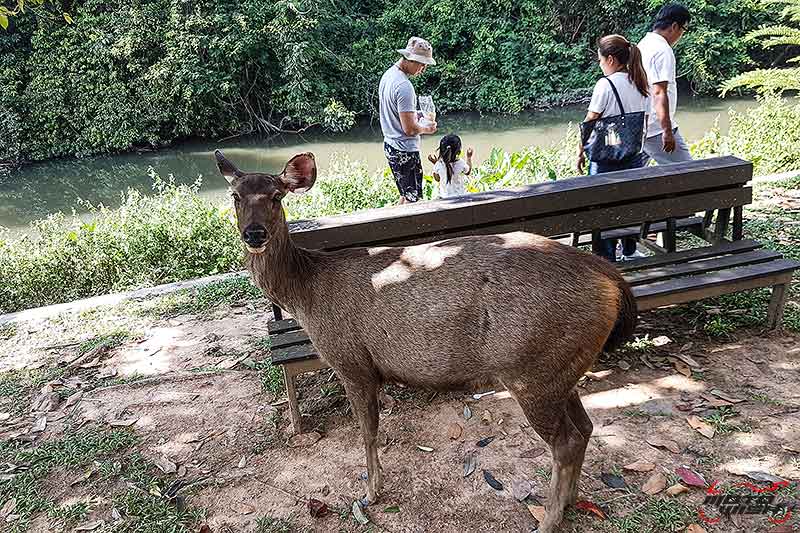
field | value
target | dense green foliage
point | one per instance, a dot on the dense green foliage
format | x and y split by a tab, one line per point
127	74
773	80
767	135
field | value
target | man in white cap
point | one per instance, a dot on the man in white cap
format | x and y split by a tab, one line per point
400	121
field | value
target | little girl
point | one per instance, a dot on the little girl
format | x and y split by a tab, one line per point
449	170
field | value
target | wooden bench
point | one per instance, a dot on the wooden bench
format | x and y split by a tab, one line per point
577	211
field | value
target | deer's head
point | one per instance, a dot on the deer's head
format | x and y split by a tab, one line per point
257	197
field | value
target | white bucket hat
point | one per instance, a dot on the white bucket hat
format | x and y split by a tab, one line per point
418	50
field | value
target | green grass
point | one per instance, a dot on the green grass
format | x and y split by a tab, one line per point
8	331
656	515
140	501
106	341
722	422
21	385
269	524
199	300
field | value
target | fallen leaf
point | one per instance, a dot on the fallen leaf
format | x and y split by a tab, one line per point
73	399
85	476
682	367
424	448
613	481
485	442
317	508
40	425
538	512
496	485
358	514
4	416
467	412
303	440
695	528
91	526
521	489
715	402
470	464
91	364
392	509
107	373
454	431
165	465
387	401
599	376
623	364
676	489
720	394
763	477
242	462
532	453
640	466
690	477
8	508
794	448
205	529
590	507
661	341
702	427
486	417
123	422
655	484
182	471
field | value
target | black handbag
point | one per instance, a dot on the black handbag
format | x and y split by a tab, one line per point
614	139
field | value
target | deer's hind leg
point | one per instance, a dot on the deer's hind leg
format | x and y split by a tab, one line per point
363	397
551	420
578	415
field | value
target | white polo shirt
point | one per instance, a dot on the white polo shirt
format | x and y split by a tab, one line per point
659	64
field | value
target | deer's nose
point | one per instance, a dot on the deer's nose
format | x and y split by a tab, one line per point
255	235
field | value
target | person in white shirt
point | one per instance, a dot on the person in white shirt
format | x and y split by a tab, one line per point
664	142
449	169
621	63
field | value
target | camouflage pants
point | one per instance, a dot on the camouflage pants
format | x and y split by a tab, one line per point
407	170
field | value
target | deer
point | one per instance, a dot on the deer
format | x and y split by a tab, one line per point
517	309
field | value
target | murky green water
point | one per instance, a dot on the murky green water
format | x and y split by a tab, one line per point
38	190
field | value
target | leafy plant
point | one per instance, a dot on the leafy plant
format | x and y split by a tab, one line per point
773	80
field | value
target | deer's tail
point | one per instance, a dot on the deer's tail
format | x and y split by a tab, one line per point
626	319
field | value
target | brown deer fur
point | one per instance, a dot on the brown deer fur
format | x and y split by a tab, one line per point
516	308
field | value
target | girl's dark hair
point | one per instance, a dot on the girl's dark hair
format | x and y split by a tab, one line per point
627	54
449	148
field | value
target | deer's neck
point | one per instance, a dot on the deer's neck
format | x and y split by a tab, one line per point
285	273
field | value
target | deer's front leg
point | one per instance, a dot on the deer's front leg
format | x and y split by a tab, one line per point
363	398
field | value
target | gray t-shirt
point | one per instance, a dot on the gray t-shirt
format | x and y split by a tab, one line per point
396	95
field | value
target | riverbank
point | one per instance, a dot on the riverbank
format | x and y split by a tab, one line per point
44	188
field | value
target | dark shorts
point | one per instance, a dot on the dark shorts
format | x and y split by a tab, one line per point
407	170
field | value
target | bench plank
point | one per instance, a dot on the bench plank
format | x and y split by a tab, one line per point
711	280
282	326
493	207
705	252
289	338
603	217
294	353
686	223
712	264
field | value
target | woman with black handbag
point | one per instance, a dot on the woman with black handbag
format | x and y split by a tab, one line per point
613	132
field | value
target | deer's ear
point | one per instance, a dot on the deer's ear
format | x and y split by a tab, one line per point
300	173
226	168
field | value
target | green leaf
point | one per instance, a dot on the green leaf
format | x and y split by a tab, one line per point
392	509
68	18
4	22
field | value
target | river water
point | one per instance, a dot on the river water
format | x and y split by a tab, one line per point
38	190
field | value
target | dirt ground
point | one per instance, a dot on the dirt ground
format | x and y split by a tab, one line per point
186	386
